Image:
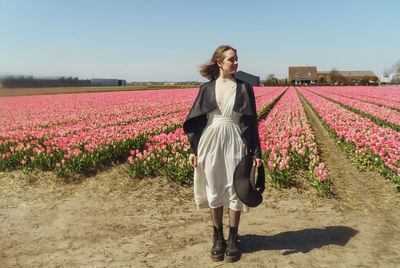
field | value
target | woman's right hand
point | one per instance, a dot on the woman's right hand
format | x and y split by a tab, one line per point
193	160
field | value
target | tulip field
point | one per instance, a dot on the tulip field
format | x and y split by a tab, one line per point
288	142
371	138
79	133
382	115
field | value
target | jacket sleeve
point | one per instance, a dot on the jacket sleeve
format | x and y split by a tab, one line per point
192	124
256	147
193	132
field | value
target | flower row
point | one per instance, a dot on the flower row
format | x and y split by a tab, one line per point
288	143
368	144
379	114
87	149
382	96
26	112
164	155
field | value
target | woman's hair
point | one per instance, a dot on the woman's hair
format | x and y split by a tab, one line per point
211	70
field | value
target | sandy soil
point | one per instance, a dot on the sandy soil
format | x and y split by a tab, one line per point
111	220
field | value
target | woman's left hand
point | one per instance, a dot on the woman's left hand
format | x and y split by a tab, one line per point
257	162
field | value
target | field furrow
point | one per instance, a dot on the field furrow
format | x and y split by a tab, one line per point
367	144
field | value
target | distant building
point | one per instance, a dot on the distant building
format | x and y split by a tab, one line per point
35	82
249	78
324	76
55	81
303	74
386	80
104	82
357	74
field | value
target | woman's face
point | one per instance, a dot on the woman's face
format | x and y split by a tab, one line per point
230	64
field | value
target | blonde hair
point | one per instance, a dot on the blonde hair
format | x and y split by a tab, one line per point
211	70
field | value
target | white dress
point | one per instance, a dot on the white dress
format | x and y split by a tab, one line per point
219	151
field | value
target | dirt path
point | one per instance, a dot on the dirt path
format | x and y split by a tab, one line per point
110	220
367	193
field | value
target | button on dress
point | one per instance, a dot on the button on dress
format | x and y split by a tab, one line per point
220	150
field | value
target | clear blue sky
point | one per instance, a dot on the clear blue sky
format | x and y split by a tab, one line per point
167	40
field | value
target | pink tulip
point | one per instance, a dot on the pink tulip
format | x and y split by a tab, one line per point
368	137
270	164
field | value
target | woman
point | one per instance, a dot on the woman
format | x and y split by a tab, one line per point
222	128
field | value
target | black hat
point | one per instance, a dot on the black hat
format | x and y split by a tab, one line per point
244	181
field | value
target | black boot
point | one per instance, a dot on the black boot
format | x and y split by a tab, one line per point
232	249
219	245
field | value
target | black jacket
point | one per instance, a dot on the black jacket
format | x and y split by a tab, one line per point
205	102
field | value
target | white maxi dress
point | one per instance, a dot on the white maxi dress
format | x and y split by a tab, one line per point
219	151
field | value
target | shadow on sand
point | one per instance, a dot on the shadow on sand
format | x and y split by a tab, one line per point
298	241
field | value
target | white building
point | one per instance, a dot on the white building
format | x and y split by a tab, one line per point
386	79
